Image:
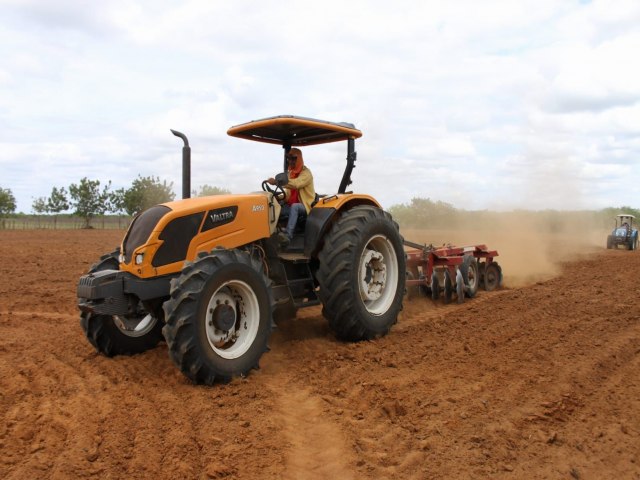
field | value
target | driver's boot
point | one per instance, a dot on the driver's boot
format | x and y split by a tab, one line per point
283	240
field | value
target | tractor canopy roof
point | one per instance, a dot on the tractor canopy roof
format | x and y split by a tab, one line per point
292	131
624	215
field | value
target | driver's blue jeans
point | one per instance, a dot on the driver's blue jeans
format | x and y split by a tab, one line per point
296	211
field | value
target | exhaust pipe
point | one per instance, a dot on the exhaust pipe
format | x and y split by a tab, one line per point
186	165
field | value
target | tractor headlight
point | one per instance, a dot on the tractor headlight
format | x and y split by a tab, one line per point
139	258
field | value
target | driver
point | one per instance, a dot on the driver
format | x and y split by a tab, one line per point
300	193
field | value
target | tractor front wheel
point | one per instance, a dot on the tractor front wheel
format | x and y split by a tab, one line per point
362	274
115	335
219	317
120	334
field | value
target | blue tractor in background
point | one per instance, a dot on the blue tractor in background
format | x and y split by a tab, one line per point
623	233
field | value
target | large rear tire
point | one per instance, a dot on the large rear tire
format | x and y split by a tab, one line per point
609	242
119	334
219	317
362	274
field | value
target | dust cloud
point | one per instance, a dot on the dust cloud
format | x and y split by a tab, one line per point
531	245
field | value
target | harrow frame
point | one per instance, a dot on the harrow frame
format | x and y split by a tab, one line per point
427	259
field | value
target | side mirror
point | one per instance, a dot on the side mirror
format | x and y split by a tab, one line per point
282	179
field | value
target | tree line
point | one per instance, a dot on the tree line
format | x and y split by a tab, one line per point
89	198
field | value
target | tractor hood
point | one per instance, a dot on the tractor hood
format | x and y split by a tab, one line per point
162	237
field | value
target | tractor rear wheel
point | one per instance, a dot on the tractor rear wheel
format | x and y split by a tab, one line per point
609	242
119	334
362	274
492	276
219	317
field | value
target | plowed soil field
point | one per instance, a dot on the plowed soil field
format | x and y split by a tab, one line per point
540	379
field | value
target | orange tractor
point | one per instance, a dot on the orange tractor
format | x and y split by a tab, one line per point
208	276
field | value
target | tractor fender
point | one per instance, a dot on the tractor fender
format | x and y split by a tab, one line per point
322	215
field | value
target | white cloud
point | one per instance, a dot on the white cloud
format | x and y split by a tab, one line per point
495	98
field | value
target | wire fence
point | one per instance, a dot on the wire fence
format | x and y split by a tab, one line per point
63	222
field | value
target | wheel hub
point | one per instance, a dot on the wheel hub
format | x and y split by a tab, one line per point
233	317
221	311
373	275
224	317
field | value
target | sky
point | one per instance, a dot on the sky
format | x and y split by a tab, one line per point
494	105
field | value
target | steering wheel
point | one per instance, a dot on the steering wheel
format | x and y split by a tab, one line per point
277	191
